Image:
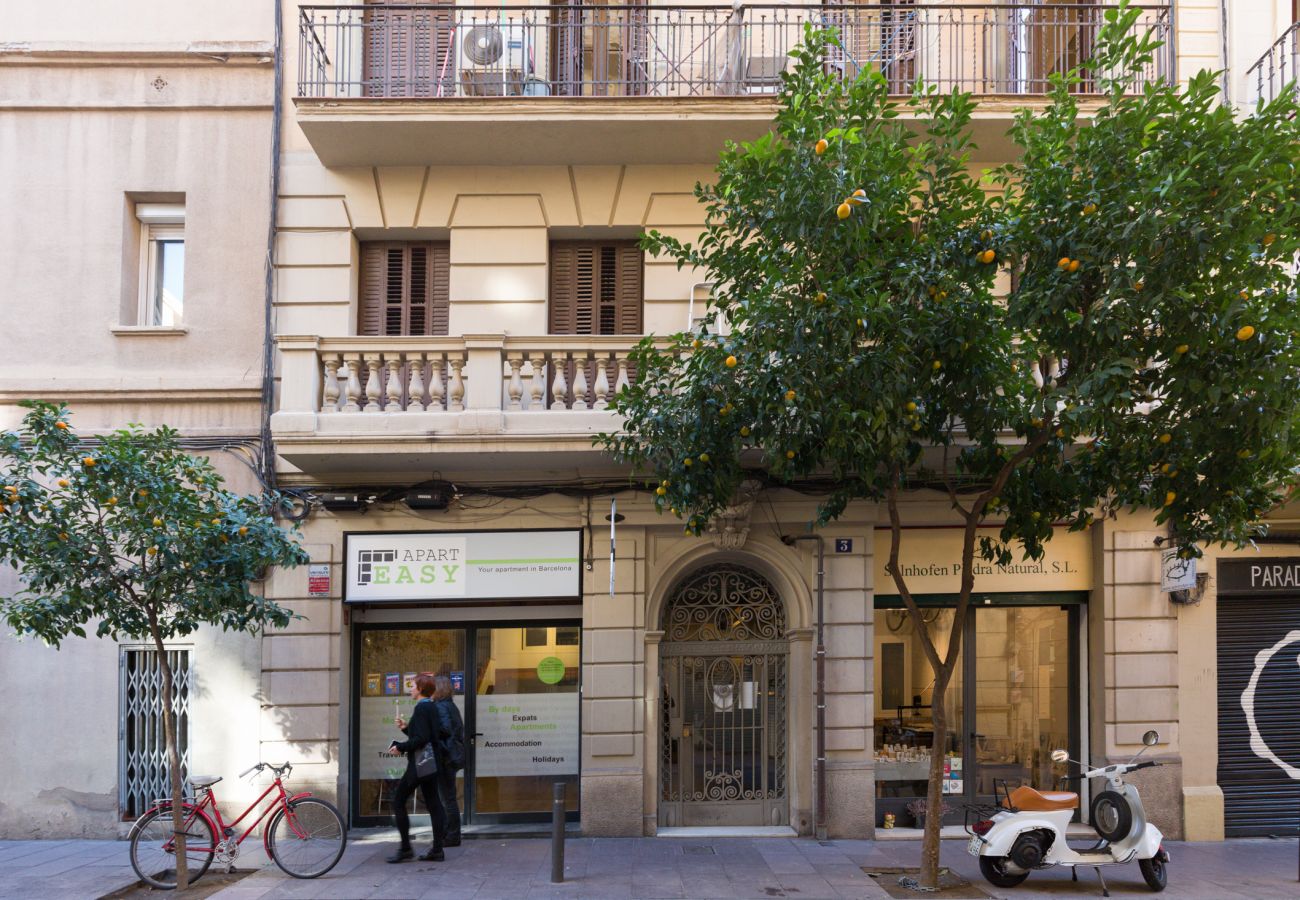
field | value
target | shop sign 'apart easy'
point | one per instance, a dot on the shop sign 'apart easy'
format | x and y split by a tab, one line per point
462	565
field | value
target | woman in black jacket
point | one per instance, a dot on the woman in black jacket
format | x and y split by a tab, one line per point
453	727
423	729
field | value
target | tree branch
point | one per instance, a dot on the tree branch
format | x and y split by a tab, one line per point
895	540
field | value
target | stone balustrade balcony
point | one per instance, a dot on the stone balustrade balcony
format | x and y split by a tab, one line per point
354	404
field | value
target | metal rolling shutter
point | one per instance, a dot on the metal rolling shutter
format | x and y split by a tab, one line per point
1258	796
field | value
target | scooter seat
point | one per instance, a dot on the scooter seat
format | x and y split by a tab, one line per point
1027	799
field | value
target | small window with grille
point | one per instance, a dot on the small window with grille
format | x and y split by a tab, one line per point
142	738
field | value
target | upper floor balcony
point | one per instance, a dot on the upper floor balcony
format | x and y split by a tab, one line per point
633	83
1278	69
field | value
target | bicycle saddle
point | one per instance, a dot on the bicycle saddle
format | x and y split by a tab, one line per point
204	780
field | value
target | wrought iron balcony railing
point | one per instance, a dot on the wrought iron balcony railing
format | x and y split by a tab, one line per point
1278	69
654	50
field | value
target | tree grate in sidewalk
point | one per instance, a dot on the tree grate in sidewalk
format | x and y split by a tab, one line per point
951	885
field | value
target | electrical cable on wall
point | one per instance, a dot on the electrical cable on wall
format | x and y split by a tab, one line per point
267	450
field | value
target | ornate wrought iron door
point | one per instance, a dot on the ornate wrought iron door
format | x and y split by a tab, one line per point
723	665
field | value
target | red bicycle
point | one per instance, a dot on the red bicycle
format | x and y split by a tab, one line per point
305	835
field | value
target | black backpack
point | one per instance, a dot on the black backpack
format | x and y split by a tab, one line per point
453	738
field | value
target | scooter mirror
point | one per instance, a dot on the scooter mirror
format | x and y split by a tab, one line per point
1151	738
1060	756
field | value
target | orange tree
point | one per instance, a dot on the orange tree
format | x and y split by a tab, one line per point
131	536
862	335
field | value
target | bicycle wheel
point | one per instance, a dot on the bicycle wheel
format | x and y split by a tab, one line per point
307	841
153	854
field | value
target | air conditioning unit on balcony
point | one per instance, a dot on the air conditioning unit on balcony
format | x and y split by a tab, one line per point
493	60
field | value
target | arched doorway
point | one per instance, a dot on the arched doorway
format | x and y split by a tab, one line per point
723	674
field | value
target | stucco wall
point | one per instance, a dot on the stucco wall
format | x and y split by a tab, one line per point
78	147
102	105
91	24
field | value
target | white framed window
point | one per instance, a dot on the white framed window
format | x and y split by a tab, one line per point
162	263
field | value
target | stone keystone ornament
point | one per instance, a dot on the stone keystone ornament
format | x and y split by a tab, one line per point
730	527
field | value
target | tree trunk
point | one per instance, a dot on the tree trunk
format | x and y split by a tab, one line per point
173	759
930	841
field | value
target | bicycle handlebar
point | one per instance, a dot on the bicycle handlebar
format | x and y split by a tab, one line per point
282	770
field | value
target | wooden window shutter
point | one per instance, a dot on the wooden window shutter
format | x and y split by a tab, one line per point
404	288
630	290
407	51
596	287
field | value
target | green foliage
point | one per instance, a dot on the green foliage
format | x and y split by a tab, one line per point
883	349
132	534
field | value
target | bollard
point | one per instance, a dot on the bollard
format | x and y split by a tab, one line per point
557	834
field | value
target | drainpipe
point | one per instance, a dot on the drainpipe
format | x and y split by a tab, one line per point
267	474
819	814
1225	82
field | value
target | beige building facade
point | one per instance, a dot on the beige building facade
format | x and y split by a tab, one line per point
135	169
456	289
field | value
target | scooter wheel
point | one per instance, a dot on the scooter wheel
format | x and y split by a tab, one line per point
1111	816
995	871
1155	872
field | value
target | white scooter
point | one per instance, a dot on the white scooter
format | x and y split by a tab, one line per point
1027	831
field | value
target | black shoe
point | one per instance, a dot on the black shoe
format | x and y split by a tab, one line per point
452	841
433	854
402	855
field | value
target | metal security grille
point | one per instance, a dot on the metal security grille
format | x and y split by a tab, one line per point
724	670
1259	798
142	739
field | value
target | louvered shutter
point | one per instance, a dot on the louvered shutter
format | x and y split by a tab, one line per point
407	50
636	49
564	289
566	49
630	287
373	282
596	288
1060	40
404	289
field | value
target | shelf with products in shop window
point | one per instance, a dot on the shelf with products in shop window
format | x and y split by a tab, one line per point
903	755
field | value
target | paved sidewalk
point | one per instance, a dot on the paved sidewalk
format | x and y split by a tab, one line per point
750	868
617	868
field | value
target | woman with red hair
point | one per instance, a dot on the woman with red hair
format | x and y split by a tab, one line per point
421	731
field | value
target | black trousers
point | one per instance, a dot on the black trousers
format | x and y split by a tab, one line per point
446	778
429	791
